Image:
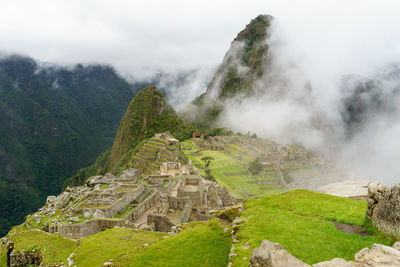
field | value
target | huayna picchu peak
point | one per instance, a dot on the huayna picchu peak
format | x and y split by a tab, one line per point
243	64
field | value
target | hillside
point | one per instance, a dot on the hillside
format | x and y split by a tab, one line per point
147	114
250	166
54	121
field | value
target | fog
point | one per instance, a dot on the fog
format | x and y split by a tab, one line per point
334	89
315	46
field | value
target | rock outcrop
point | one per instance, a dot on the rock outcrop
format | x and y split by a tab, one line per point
384	208
271	254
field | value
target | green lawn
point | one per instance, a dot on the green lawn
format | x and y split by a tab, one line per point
300	221
198	244
201	244
224	164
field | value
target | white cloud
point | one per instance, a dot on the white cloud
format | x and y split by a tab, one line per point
325	39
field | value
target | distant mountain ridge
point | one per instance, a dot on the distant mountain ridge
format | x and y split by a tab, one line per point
54	120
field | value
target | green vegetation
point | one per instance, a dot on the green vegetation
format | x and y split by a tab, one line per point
207	160
198	244
54	121
54	248
203	113
301	221
147	114
228	169
255	167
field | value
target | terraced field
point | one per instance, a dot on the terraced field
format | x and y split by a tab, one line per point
229	168
152	154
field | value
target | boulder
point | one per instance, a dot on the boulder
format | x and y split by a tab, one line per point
92	181
377	191
384	208
274	255
98	214
87	214
271	254
129	174
50	201
378	256
336	262
63	199
99	179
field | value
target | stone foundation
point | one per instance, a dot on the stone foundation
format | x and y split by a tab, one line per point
80	230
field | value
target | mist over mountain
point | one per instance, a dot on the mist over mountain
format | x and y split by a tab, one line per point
264	86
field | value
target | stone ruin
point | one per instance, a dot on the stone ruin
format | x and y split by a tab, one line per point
22	258
384	208
158	202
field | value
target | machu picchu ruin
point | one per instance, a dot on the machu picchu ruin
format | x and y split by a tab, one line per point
156	198
281	167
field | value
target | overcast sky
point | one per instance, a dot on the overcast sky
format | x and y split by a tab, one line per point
132	35
323	39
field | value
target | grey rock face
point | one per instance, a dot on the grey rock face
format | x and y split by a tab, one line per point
334	263
384	208
99	215
271	254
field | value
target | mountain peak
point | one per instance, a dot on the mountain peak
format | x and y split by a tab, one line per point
243	63
257	28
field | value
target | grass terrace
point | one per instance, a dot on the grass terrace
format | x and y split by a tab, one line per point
301	221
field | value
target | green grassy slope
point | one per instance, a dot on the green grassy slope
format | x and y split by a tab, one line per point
198	244
300	221
229	169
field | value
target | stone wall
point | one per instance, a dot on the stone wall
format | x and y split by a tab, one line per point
195	195
76	231
184	216
161	222
142	207
178	202
131	197
25	258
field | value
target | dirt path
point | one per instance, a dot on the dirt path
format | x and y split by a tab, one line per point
350	229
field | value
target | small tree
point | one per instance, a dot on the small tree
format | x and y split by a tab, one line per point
209	176
207	160
255	167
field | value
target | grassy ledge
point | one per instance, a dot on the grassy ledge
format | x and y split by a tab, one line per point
301	221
